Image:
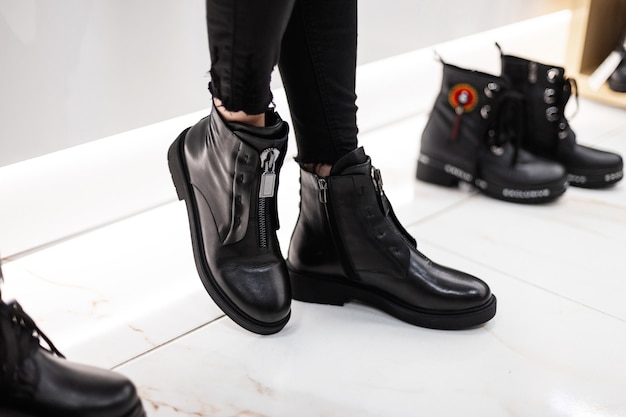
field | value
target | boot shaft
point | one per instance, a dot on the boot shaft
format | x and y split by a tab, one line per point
546	90
467	116
346	225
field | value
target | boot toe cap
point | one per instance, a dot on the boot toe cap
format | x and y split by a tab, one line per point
260	291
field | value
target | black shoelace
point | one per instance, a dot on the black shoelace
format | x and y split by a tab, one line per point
19	339
507	122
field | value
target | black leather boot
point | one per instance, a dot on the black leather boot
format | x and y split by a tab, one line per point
547	90
348	245
35	382
473	135
617	80
228	176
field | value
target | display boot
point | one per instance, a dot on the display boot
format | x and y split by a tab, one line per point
547	90
473	135
38	382
617	80
227	173
348	245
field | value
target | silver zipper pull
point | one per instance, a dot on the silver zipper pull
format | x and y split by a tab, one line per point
268	177
321	182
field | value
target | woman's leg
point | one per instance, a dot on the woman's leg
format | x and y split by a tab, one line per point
244	42
226	167
318	65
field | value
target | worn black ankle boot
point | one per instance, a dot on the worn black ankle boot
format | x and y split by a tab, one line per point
617	80
35	382
473	134
349	245
547	90
228	176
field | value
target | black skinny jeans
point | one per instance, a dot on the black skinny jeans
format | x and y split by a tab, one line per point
313	42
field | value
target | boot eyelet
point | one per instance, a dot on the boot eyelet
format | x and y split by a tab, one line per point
563	134
490	89
548	96
240	179
552	114
496	150
491	133
553	74
484	111
562	126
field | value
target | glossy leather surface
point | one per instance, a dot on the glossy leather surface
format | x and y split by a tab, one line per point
361	241
39	383
223	170
65	389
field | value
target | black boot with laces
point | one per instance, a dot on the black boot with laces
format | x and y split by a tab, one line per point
39	382
546	91
473	135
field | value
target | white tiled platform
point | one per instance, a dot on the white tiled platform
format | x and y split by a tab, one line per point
126	296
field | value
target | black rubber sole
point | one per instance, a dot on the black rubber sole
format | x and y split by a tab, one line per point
137	411
440	173
326	290
596	179
180	177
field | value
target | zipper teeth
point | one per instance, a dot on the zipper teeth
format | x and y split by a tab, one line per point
334	230
262	223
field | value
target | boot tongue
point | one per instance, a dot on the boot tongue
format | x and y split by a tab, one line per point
355	162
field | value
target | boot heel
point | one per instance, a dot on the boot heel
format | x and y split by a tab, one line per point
428	172
176	165
316	290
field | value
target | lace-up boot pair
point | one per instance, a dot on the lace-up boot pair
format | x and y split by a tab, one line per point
38	382
508	135
474	134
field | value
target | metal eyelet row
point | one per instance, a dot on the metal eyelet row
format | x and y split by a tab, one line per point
490	91
553	74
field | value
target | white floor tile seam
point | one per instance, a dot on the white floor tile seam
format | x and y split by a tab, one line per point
507	274
165	343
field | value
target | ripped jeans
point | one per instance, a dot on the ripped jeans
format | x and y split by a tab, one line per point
313	42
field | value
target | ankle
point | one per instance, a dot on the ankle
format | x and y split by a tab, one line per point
323	170
239	116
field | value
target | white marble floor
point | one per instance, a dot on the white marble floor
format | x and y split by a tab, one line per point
127	297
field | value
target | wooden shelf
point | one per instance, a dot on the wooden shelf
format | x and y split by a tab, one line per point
595	30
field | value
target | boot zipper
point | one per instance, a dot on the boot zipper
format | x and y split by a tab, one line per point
322	184
266	190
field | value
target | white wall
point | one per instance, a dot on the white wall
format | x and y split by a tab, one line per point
73	71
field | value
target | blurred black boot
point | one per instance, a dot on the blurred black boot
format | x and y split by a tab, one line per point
473	135
38	382
617	80
547	90
349	245
227	173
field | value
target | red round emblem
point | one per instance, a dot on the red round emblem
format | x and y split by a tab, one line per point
463	96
